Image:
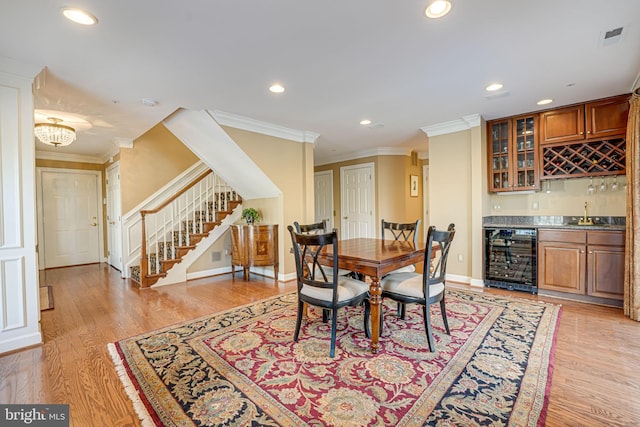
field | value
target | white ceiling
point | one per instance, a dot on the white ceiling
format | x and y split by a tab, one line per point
340	61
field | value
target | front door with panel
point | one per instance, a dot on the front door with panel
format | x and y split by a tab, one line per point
70	217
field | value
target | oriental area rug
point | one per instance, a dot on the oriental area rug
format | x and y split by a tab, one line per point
242	367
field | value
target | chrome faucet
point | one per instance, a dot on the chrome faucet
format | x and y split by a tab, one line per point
585	220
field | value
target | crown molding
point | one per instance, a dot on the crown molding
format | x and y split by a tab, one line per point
65	157
123	142
381	151
239	122
463	123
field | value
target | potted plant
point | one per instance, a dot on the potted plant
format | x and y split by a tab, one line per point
250	215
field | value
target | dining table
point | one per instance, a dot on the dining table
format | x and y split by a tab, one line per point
374	258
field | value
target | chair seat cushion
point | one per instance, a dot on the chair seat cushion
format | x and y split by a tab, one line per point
405	269
409	284
347	289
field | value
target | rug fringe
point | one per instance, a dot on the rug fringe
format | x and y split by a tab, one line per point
129	388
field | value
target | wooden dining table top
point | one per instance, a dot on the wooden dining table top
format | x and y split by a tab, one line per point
375	257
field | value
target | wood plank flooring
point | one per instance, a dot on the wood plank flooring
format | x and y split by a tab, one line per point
596	381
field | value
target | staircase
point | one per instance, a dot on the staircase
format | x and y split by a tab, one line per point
176	227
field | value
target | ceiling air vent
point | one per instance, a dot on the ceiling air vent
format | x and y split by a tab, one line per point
610	37
613	33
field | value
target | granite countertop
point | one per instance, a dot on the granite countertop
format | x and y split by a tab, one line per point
610	227
554	222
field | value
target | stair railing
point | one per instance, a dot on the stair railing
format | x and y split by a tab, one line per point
170	226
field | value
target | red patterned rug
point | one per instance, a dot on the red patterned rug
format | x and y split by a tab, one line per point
241	367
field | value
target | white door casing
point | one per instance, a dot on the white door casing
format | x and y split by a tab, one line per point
71	219
425	199
323	197
114	216
357	191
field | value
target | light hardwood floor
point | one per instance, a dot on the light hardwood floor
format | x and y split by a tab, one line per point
596	381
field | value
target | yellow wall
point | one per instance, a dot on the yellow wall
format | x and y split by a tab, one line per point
289	164
156	158
450	178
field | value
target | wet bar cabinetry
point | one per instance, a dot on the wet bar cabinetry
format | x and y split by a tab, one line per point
580	140
584	139
513	147
596	120
587	263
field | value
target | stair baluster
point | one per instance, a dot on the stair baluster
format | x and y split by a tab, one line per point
177	225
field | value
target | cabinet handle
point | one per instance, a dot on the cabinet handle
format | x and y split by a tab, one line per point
581	252
590	252
581	133
588	131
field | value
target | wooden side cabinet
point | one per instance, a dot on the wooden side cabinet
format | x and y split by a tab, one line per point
254	245
582	262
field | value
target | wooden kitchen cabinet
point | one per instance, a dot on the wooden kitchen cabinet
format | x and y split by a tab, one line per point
582	262
513	148
254	245
595	120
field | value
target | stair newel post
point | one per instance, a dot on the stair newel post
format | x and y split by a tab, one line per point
144	263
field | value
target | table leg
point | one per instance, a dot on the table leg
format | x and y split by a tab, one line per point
375	300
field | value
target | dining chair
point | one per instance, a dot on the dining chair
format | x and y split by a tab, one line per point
403	232
319	228
315	287
427	288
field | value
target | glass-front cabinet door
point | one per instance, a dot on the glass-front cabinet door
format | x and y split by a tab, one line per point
513	145
499	134
525	140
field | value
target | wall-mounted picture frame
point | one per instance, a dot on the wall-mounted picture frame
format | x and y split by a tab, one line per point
413	182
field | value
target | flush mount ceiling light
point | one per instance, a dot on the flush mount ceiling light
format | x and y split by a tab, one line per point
545	101
493	87
276	88
438	8
54	133
365	122
79	16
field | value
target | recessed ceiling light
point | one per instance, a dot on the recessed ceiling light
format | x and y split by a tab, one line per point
493	86
365	122
79	16
277	88
545	101
438	8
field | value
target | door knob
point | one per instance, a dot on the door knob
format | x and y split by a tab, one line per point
94	224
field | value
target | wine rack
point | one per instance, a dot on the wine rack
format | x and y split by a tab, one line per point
594	158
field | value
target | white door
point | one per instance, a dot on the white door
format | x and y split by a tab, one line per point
323	197
114	236
357	200
70	206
